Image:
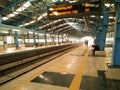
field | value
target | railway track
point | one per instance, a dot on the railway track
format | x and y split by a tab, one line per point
16	64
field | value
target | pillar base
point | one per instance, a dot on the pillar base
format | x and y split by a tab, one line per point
18	47
113	66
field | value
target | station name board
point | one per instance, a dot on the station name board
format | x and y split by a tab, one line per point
66	11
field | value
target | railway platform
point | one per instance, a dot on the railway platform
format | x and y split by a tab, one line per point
74	70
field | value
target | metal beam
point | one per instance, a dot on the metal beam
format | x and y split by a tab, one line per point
9	6
104	28
24	19
14	27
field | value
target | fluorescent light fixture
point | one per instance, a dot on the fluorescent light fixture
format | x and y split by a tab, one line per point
15	13
21	25
43	15
91	21
107	4
26	24
76	25
31	22
20	9
5	18
30	32
101	16
51	23
92	16
72	1
11	15
54	0
111	17
16	30
4	31
112	4
39	18
27	4
51	9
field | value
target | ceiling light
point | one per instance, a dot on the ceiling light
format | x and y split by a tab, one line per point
39	18
25	5
31	22
54	0
92	16
11	15
21	25
15	13
101	16
5	18
16	30
107	5
26	24
111	17
43	15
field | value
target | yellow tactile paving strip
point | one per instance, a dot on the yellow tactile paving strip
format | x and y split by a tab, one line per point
78	77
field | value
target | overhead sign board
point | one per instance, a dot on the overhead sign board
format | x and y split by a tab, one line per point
66	11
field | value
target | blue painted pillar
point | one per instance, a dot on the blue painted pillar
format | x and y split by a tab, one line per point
104	28
58	39
16	39
97	41
62	38
38	37
53	37
35	44
45	37
0	19
116	44
28	37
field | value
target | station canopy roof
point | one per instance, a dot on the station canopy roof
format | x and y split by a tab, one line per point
33	15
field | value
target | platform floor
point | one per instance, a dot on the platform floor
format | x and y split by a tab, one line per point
75	70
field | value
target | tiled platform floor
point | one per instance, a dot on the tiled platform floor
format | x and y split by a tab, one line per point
55	74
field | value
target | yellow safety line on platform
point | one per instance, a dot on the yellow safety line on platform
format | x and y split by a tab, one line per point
78	77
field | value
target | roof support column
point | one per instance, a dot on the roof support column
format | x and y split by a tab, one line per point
53	37
45	37
97	41
104	28
16	39
62	38
116	44
28	37
0	19
58	39
38	37
35	44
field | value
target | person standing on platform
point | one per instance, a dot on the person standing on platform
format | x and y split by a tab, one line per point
95	48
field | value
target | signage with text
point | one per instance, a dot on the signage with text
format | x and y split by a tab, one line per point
66	11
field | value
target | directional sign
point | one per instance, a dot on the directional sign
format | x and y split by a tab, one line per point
75	10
